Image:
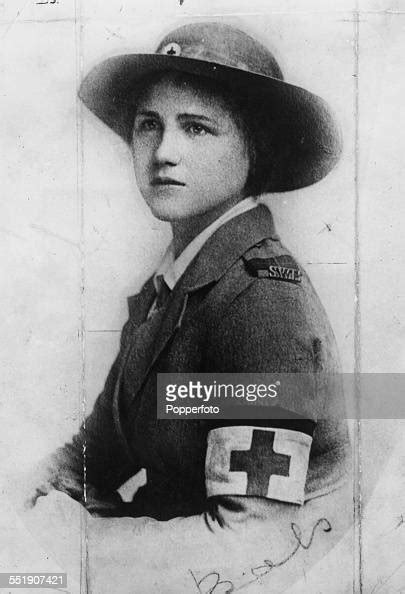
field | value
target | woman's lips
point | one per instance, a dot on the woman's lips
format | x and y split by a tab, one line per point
166	181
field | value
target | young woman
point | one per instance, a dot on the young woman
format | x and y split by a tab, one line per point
212	125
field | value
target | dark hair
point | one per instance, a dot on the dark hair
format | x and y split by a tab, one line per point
260	143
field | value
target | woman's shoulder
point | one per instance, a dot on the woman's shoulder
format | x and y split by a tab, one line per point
268	277
266	302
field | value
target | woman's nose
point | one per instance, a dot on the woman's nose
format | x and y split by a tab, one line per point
168	149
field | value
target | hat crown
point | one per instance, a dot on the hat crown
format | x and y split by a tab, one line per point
221	44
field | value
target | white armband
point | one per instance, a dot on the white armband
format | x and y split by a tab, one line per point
257	461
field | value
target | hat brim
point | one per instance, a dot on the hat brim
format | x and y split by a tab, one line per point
304	121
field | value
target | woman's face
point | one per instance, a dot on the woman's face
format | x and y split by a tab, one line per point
190	156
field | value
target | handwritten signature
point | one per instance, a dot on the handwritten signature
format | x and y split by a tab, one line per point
212	583
48	2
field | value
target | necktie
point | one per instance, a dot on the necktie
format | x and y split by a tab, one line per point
162	293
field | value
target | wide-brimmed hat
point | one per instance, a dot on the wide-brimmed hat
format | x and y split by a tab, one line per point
308	139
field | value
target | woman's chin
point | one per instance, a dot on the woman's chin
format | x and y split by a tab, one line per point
170	210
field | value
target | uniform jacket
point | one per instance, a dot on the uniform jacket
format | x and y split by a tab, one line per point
242	305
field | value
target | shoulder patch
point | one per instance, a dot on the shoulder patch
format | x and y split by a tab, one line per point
282	268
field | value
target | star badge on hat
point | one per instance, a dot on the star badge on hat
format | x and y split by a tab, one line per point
172	49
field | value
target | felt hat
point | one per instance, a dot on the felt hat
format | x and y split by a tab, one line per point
307	139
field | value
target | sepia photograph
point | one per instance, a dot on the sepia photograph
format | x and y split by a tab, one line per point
203	342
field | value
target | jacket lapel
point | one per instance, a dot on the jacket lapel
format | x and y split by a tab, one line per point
140	304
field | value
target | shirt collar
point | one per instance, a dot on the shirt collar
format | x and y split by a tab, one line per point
173	268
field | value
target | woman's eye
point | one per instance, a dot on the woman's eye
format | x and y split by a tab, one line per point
197	129
147	125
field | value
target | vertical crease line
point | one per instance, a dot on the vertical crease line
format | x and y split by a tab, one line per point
82	390
358	582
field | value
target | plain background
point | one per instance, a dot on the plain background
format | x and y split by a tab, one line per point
76	238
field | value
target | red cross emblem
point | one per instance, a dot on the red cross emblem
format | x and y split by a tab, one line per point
260	462
171	49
